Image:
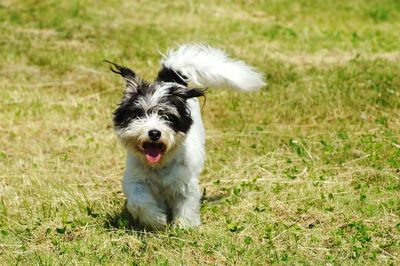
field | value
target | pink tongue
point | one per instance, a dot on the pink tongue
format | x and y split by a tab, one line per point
153	153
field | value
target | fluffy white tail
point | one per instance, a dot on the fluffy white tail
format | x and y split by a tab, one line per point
209	67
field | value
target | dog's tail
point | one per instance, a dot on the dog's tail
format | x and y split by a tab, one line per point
208	67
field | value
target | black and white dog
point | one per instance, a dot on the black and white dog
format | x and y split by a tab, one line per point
160	125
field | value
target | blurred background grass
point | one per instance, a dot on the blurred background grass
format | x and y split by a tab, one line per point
304	171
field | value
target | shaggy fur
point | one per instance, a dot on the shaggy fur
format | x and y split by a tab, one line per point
160	125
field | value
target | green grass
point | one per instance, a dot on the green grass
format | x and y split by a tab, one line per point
306	171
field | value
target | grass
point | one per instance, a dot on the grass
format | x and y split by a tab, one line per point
306	171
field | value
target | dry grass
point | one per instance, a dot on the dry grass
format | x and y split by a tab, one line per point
306	171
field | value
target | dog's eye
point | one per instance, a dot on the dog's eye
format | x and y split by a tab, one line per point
126	113
166	117
136	112
170	118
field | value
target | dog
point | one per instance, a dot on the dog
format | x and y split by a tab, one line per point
160	125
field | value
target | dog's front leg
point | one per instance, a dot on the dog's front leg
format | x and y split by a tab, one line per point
186	208
143	206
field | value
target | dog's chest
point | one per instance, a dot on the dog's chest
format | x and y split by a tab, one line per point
169	183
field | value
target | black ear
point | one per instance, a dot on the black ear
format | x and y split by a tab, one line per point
130	77
187	93
123	71
169	75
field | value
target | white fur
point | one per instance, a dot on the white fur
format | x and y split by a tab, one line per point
148	188
209	67
136	134
152	101
174	183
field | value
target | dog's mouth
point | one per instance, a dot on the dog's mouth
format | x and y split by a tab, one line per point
153	151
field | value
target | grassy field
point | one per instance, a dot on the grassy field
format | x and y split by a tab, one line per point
306	171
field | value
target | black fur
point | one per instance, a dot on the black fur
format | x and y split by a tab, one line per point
168	75
187	93
123	71
184	121
125	113
127	110
176	97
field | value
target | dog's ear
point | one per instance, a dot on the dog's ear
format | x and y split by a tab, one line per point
132	81
187	93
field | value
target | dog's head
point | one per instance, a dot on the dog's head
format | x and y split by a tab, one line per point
152	119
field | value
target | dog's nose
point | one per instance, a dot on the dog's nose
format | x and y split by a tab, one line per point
154	134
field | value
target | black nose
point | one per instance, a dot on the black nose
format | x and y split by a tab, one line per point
154	134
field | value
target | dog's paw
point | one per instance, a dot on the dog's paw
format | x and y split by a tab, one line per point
158	223
149	215
183	222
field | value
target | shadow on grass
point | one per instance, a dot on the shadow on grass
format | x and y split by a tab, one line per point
123	220
212	198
